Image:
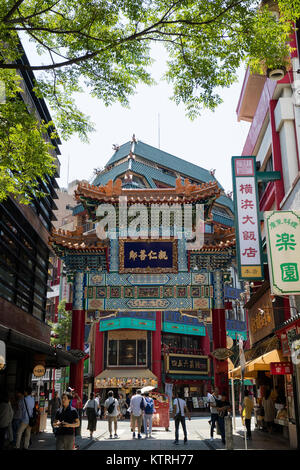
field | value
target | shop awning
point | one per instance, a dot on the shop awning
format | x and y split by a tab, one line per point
260	363
54	357
125	378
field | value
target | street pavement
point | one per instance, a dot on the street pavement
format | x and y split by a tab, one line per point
198	438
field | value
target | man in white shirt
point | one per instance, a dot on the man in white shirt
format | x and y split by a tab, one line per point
112	415
213	410
179	411
27	412
137	406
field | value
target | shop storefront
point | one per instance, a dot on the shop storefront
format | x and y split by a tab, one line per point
267	364
288	334
189	374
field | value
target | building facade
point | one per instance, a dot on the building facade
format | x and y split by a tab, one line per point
24	265
272	108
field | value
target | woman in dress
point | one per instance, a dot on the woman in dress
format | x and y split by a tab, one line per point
91	407
123	406
269	409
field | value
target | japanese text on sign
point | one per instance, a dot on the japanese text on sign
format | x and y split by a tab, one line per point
247	222
283	242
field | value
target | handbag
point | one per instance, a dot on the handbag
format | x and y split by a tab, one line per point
33	418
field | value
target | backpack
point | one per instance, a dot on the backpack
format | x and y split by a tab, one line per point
111	407
149	406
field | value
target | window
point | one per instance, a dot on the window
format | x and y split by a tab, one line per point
113	353
127	352
141	353
263	184
181	341
6	292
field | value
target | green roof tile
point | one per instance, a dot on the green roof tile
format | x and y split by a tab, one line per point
163	158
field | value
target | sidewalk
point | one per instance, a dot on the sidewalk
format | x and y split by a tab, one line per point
198	433
260	440
46	440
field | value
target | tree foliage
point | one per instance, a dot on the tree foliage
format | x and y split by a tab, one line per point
61	331
104	48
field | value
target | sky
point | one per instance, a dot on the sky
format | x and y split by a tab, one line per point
209	141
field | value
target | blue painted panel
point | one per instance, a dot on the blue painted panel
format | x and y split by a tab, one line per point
183	329
131	323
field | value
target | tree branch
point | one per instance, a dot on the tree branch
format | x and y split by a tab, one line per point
135	36
12	10
22	19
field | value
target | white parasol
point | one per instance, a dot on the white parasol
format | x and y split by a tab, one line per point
147	389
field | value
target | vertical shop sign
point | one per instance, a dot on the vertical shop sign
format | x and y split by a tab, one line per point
248	237
283	244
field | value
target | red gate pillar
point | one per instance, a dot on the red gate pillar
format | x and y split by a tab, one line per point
219	341
77	342
219	333
156	349
77	336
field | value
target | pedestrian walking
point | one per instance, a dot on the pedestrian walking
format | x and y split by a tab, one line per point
77	404
66	421
112	411
180	410
18	411
28	408
6	416
91	407
123	406
54	405
247	412
148	414
137	406
213	411
269	410
223	406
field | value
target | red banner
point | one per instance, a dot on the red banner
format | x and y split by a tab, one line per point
281	368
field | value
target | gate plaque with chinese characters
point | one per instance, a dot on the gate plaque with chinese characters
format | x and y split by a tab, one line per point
283	243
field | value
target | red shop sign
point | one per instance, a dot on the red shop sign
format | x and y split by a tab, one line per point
281	368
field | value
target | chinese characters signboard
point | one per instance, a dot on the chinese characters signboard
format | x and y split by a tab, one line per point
248	238
148	256
281	368
261	318
283	243
187	364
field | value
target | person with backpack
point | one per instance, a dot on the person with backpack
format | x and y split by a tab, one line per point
137	406
28	419
112	411
149	412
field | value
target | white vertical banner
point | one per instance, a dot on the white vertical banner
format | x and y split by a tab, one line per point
169	392
247	221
